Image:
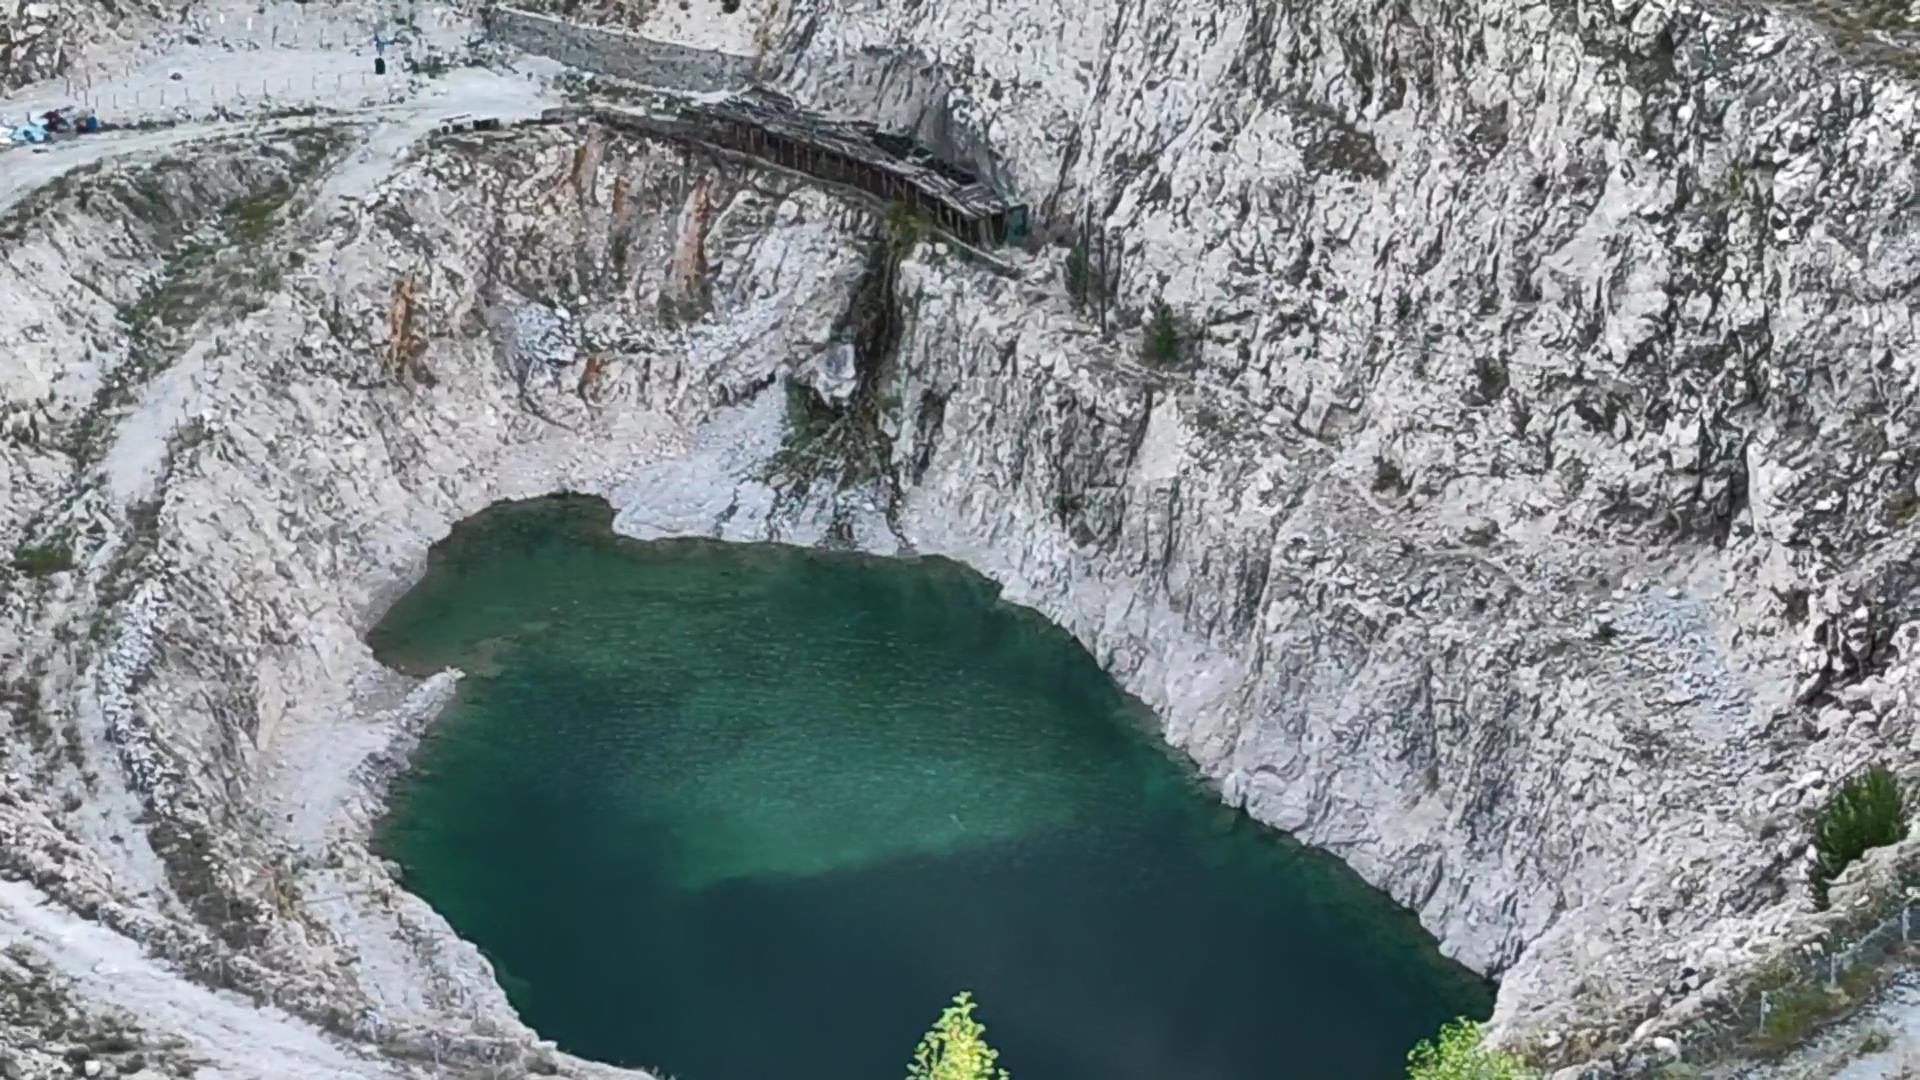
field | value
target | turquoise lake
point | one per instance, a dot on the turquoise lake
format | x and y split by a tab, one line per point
750	812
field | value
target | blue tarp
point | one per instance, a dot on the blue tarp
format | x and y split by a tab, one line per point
31	133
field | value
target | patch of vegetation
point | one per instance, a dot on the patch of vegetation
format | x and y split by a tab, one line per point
1490	379
1734	182
847	444
192	862
809	419
213	261
1901	508
906	226
250	217
1868	811
1387	477
1459	1052
620	245
1794	1011
1163	341
42	560
31	211
137	543
1334	144
180	295
1080	276
21	696
956	1048
1573	476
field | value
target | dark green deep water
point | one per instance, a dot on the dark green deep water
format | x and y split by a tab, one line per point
755	813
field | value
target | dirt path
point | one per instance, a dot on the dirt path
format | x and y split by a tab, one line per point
392	128
257	69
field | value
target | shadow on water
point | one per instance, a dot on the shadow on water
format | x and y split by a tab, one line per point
746	811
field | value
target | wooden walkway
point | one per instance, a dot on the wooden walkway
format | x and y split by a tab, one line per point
854	154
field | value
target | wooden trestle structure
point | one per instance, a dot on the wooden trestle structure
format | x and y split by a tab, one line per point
845	152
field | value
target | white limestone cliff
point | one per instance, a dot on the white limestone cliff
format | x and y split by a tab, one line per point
1529	523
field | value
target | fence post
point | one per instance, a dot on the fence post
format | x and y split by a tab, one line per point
1833	970
1764	994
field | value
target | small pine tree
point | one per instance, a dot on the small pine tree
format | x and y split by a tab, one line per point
1162	345
956	1048
1868	811
1458	1053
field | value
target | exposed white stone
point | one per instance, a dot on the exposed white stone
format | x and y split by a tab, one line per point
1615	292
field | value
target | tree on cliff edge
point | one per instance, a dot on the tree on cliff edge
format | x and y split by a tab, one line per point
1457	1053
956	1048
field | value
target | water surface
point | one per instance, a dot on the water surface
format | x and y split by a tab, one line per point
755	813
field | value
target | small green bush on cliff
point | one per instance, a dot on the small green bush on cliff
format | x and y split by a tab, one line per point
1458	1052
39	560
1868	811
1163	344
956	1048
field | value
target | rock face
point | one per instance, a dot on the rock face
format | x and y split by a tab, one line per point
1528	520
40	39
1525	513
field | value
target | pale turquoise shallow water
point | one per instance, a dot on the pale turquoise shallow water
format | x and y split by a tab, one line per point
754	813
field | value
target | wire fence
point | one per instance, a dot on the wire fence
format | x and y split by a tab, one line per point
191	97
1803	989
1839	971
409	37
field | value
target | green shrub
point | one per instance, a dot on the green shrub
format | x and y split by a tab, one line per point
39	560
1388	477
956	1048
1793	1013
1490	379
1162	344
906	225
1458	1053
1868	811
